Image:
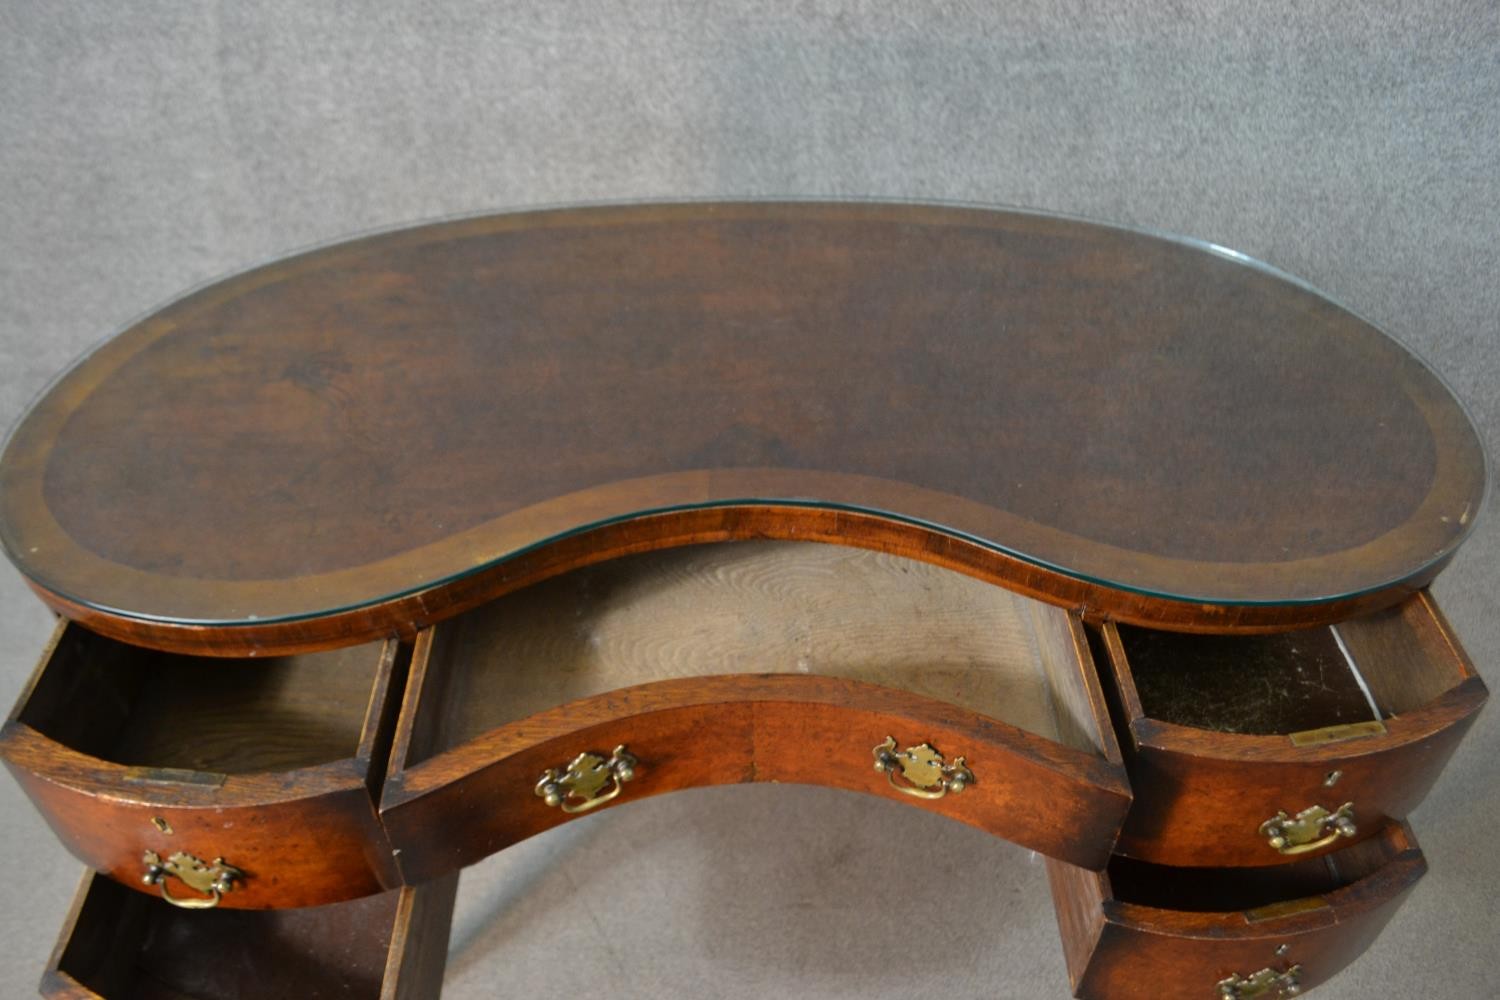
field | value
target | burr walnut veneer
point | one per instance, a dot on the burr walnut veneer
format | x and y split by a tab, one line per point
380	558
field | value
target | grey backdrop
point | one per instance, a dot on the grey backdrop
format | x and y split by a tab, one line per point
146	147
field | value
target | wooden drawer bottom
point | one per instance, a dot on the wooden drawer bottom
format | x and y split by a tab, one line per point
118	944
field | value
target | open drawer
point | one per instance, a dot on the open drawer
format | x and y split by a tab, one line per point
1147	931
1248	750
120	945
752	661
244	783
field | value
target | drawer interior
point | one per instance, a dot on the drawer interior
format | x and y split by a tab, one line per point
139	707
119	943
1222	890
1362	670
755	607
126	944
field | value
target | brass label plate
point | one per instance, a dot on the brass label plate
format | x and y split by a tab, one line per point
1273	911
1335	734
173	776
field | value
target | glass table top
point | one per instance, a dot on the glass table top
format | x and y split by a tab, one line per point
1148	422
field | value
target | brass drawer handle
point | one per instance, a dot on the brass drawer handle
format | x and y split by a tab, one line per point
926	775
1310	830
584	779
1267	983
213	879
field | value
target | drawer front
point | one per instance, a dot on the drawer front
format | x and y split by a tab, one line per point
117	944
784	662
1206	799
288	850
462	806
1138	961
1019	786
1123	950
467	803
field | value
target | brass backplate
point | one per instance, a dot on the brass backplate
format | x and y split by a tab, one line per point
210	878
925	773
1267	984
580	786
1312	829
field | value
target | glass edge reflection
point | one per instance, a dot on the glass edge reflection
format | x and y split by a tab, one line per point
934	527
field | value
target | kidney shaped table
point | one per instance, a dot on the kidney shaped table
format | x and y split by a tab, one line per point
380	558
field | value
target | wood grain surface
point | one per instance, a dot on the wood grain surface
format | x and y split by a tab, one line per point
1154	429
455	807
418	952
147	709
